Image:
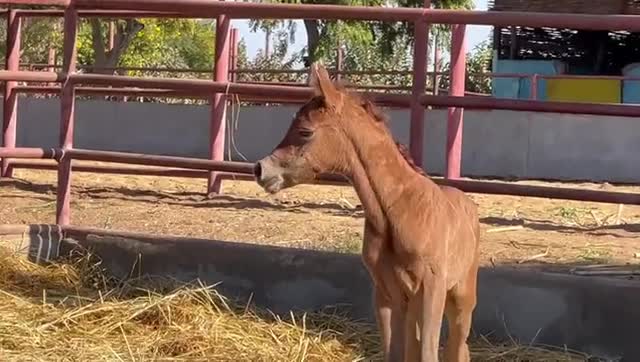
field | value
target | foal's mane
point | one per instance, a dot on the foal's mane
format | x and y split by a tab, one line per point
379	116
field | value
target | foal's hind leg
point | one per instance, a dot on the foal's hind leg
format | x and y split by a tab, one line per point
461	301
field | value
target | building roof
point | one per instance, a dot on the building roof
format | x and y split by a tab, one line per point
568	6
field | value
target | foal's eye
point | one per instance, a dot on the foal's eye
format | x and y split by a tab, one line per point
305	133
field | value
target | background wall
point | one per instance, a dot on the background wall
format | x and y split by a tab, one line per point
496	143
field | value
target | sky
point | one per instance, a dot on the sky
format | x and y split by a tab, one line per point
255	41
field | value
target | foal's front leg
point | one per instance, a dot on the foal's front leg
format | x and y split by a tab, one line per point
387	296
391	326
425	308
433	295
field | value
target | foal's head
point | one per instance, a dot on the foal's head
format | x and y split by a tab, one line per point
317	140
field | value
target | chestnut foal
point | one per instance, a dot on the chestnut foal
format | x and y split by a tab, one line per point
420	240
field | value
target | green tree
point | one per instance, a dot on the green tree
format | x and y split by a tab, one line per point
103	54
478	63
171	43
37	37
277	59
177	43
385	37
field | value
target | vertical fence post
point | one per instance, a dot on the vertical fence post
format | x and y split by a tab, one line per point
420	47
339	61
51	60
534	87
455	114
10	107
67	108
233	56
436	64
219	102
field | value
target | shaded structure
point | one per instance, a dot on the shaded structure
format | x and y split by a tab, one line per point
586	52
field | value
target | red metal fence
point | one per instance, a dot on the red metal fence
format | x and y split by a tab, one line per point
221	86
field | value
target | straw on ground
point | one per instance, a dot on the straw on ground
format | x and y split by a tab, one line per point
74	310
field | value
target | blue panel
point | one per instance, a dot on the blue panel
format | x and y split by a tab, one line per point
631	88
520	88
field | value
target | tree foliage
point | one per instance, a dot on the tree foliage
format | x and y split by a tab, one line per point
277	59
160	43
174	43
186	43
37	36
478	62
384	38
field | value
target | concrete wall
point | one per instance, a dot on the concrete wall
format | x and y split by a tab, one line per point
598	316
496	143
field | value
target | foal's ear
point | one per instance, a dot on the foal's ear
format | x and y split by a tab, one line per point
323	86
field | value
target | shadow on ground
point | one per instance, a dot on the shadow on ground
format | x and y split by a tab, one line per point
186	199
547	225
199	200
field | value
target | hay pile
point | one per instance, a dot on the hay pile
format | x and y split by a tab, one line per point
72	311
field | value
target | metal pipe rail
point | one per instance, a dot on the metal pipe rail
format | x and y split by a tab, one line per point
244	10
601	109
184	87
29	152
31	164
32	66
155	160
120	14
159	93
199	86
106	91
165	93
500	188
31	76
185	166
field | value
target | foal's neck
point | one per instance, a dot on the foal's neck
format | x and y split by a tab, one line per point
379	173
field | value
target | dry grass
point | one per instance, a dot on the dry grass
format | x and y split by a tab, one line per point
72	311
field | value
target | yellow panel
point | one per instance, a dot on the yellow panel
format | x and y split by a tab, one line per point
584	90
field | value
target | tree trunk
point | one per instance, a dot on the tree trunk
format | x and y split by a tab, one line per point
313	38
267	47
105	60
112	34
601	38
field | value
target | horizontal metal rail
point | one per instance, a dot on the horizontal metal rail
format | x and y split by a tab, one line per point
489	103
199	86
244	171
30	152
211	9
121	14
503	188
31	76
170	87
32	66
63	3
156	160
207	8
106	91
166	93
31	164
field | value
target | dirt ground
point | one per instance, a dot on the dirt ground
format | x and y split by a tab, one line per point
550	232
